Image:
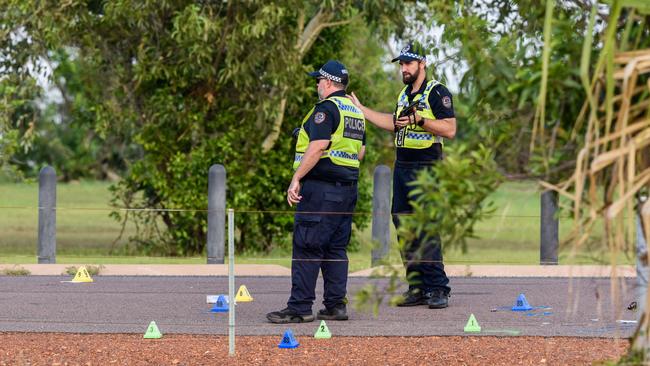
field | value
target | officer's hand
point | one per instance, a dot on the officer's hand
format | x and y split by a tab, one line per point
354	100
293	193
404	121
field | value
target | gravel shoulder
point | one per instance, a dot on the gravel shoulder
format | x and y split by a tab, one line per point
182	349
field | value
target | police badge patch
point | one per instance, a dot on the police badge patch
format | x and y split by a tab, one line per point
446	101
319	117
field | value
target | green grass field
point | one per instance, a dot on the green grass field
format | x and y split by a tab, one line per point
509	236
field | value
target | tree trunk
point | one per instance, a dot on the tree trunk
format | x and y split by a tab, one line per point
272	137
306	39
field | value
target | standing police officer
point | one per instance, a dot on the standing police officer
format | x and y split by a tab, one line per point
418	138
328	151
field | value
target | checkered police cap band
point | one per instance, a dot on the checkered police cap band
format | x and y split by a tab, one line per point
413	55
330	76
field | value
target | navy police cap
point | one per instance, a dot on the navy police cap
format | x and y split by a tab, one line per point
411	52
332	70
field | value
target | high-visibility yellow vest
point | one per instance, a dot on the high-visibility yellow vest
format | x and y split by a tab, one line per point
346	140
416	136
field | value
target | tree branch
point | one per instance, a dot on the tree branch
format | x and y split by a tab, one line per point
311	32
306	39
272	137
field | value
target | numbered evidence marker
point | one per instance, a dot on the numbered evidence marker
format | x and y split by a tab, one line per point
521	304
243	295
152	331
288	340
323	331
82	276
472	325
220	306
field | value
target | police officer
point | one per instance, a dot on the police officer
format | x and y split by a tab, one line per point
328	151
419	140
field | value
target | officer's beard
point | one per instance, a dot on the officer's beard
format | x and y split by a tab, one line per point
320	93
408	78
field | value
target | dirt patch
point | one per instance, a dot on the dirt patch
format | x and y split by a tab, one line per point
132	349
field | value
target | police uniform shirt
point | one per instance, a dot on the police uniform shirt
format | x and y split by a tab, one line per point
320	126
441	103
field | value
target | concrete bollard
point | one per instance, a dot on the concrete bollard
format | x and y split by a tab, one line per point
216	214
47	216
549	229
381	214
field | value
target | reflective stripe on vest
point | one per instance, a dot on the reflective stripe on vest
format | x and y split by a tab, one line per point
346	141
416	136
342	154
419	135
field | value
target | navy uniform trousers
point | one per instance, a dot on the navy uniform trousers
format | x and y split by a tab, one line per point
318	238
423	260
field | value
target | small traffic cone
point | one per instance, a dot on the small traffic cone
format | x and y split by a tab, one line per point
288	340
323	331
82	275
522	304
472	325
243	295
152	331
220	306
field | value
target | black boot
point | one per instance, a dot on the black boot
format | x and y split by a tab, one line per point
439	299
338	312
289	316
414	297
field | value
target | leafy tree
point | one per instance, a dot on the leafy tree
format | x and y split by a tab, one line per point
197	83
493	47
66	138
610	177
519	99
18	91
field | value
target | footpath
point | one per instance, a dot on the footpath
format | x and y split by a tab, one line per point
272	270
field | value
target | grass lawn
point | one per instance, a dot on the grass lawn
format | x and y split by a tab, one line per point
509	236
79	231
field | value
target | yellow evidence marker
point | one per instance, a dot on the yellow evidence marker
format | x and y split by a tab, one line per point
243	295
82	275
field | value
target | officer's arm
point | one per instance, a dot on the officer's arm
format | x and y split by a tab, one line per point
442	107
362	152
310	158
381	120
440	127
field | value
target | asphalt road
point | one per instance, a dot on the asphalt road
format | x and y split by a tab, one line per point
121	304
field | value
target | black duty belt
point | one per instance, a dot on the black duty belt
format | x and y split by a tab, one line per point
415	164
338	184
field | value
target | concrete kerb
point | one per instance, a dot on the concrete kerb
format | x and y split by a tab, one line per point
272	270
486	270
159	269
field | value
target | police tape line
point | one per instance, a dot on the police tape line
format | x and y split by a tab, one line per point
236	210
411	262
339	260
